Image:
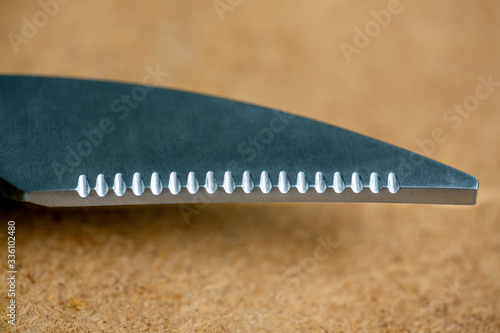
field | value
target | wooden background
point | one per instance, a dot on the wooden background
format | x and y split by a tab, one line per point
252	267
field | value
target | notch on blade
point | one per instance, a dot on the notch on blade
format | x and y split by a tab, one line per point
68	142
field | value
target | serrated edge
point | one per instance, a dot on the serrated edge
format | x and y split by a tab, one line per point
156	186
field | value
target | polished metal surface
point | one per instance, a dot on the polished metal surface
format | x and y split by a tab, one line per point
67	142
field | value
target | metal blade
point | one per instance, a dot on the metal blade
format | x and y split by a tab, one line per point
68	142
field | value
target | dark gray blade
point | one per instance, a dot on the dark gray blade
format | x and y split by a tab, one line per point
68	142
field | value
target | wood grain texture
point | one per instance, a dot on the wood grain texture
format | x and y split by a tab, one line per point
265	267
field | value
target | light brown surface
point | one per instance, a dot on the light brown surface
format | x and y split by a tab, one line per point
252	267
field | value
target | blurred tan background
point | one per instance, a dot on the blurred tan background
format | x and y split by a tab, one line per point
254	267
